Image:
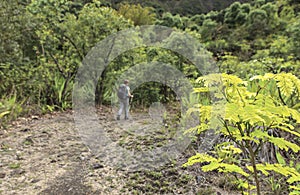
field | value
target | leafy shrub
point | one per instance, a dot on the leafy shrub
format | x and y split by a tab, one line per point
251	112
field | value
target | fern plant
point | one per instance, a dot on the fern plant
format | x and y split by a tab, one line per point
252	110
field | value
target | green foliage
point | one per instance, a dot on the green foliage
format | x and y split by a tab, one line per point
236	14
64	40
149	92
171	20
294	34
251	110
288	87
10	109
244	29
16	36
261	64
137	14
42	45
208	30
46	46
182	7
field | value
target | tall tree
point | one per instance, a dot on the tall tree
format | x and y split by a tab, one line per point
66	37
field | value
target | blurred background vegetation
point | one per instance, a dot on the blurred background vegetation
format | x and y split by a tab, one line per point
43	42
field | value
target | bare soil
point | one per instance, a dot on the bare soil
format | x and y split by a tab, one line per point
45	155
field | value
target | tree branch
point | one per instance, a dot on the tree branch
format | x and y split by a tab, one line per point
75	46
57	65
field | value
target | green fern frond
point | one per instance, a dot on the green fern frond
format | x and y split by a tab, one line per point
285	84
200	158
292	173
296	190
225	168
201	90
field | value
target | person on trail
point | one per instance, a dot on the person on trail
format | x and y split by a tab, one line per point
124	95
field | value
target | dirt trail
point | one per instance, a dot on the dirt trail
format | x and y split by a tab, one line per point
47	156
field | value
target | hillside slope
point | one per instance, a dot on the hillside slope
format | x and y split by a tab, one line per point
182	7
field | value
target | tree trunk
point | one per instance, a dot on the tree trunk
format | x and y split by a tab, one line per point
100	89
